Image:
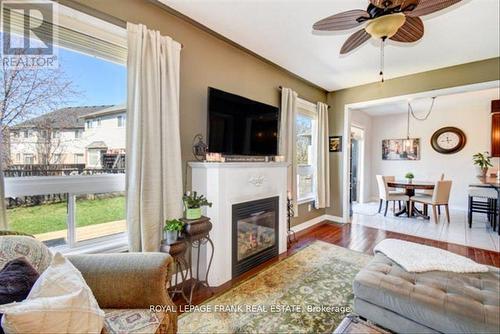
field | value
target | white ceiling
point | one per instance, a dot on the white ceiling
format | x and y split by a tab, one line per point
421	106
281	31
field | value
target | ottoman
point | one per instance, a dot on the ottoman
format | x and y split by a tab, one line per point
429	302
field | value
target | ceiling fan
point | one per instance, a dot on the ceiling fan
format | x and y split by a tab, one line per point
398	20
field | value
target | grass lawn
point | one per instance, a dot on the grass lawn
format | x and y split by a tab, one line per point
52	217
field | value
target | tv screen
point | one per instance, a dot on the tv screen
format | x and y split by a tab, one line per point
240	126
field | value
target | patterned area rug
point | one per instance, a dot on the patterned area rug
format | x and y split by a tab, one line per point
308	292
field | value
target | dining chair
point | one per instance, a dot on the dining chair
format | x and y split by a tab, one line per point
429	192
440	196
487	204
388	179
386	195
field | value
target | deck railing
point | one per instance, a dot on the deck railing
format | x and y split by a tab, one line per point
68	188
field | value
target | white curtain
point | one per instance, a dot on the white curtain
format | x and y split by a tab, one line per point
288	139
154	170
322	184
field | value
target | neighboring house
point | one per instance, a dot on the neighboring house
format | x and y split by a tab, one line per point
76	135
104	136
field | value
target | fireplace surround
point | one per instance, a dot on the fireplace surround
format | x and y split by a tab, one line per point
231	183
255	231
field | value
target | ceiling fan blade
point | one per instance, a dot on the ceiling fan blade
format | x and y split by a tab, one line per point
386	3
355	40
411	31
426	7
409	5
341	21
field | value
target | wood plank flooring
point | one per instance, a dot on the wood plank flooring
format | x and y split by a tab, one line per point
355	237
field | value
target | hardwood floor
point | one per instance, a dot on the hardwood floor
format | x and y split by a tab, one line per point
355	237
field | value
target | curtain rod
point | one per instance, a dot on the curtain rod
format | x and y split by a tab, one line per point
281	88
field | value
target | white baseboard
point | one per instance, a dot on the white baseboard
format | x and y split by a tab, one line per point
308	223
336	219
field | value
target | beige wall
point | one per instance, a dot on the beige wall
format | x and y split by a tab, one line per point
481	71
209	61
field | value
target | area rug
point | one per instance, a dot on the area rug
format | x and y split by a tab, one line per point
308	292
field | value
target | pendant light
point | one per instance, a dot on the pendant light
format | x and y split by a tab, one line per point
407	141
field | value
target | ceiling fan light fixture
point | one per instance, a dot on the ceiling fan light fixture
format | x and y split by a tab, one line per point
385	26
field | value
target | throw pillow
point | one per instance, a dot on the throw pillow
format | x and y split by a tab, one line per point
16	280
59	302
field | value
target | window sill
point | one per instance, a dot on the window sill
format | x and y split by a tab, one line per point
305	200
111	244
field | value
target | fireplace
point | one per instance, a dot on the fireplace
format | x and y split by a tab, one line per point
255	233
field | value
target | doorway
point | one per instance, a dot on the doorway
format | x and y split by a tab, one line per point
357	139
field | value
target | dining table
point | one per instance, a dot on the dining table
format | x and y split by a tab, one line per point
409	209
491	182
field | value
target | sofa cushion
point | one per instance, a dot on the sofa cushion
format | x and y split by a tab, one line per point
136	321
16	280
59	302
15	246
444	301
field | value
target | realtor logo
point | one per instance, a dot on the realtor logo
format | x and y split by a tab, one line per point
29	31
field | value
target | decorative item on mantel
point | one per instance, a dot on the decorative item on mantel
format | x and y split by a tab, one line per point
409	177
171	230
289	215
214	157
199	147
483	162
193	204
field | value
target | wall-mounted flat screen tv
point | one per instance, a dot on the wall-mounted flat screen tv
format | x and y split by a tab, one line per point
240	126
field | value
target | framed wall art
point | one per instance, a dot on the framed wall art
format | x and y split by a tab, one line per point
401	149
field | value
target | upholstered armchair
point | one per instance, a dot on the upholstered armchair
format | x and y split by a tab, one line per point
124	284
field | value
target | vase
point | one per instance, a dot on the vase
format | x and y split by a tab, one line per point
482	172
193	213
409	180
170	237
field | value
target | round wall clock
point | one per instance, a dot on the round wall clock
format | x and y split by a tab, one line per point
448	140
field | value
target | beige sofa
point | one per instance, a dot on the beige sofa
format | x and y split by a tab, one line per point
124	284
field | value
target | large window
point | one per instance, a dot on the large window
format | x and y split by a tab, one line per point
58	187
305	127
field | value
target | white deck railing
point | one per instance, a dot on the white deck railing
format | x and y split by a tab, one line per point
73	186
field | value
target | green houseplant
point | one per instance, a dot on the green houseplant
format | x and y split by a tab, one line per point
483	161
409	176
171	230
193	204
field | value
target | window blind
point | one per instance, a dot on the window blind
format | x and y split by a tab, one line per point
94	41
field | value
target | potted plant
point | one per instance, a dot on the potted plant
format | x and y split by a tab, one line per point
409	176
193	204
483	161
171	230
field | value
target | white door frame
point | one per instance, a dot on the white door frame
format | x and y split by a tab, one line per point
361	162
346	149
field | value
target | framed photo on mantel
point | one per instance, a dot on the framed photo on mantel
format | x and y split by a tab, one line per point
335	144
401	149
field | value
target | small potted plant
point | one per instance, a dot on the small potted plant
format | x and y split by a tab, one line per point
171	230
409	176
483	161
193	204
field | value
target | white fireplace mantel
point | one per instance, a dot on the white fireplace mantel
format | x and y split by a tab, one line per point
229	183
